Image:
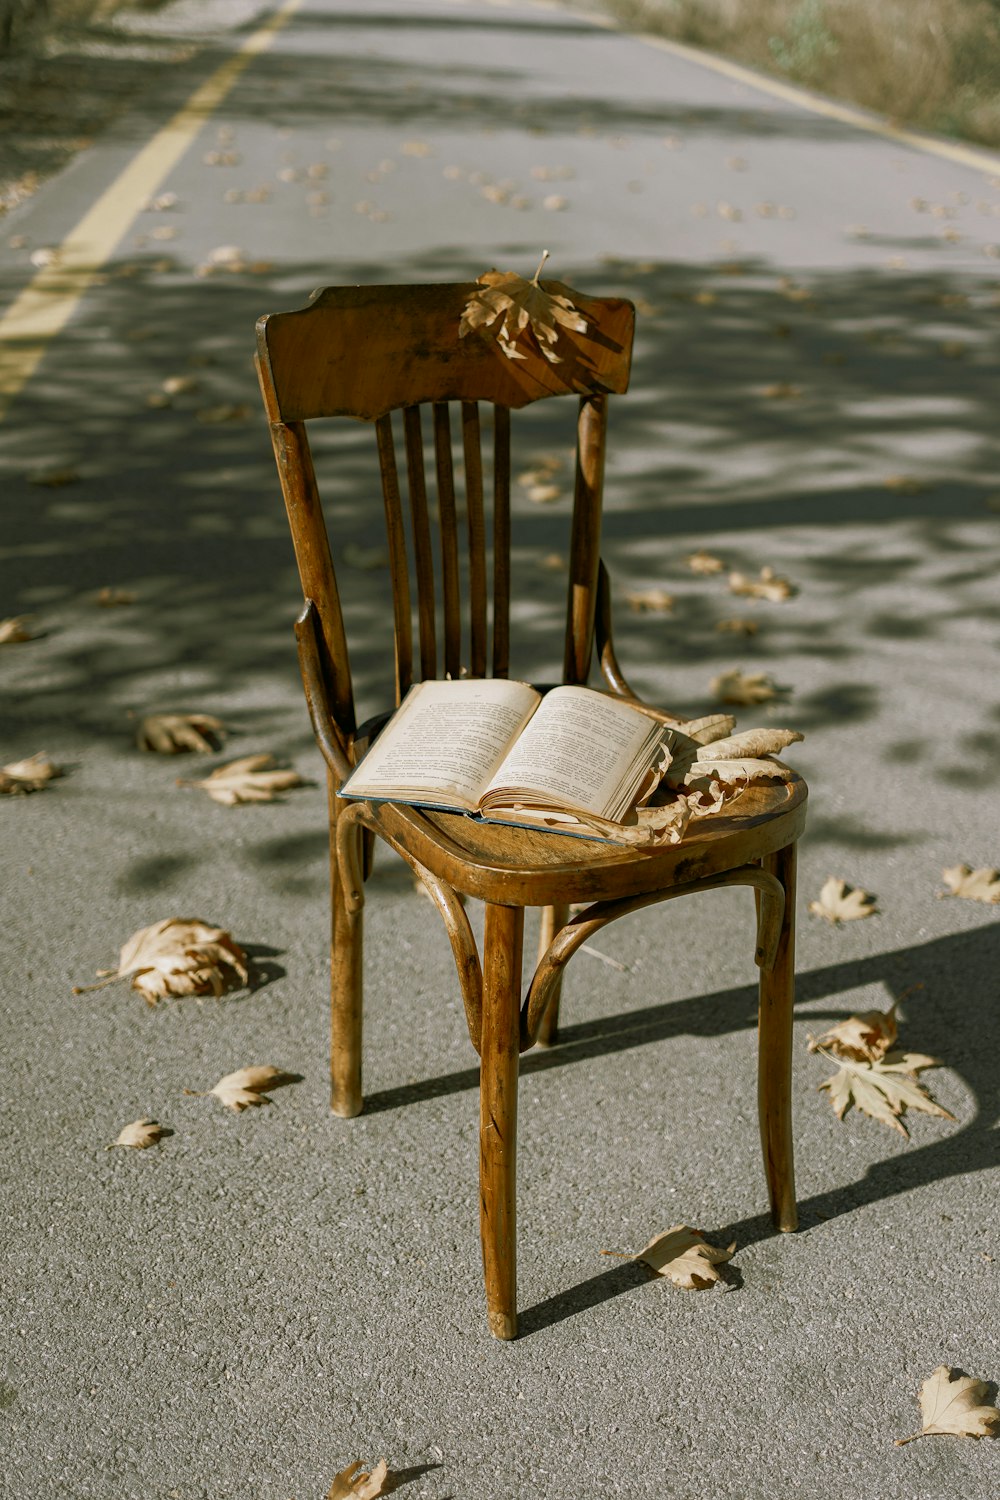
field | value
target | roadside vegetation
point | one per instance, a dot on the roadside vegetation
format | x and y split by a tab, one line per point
933	64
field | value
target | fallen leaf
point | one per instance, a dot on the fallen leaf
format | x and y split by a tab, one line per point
353	1483
226	412
417	148
650	601
972	885
737	626
14	630
140	1134
31	775
366	558
718	764
704	562
861	1038
767	585
509	306
178	956
112	598
252	778
555	202
840	902
686	1257
781	390
54	478
245	1088
744	687
954	1404
553	562
170	734
904	484
179	385
882	1089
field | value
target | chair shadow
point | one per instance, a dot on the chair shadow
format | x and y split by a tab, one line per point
942	980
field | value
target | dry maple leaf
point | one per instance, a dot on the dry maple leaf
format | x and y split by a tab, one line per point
243	1089
170	734
954	1405
14	630
767	585
252	778
178	956
112	598
840	902
353	1483
744	687
862	1038
508	306
140	1134
30	775
650	601
702	561
685	1256
972	885
882	1089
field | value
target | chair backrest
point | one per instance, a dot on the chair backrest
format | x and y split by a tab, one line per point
365	352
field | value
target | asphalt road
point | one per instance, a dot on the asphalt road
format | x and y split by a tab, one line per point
262	1299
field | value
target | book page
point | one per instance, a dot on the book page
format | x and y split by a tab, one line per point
579	751
446	740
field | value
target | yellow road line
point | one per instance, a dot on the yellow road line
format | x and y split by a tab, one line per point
48	302
966	156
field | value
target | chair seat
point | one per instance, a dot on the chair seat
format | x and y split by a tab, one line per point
483	860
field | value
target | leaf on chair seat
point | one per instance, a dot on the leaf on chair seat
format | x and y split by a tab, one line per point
684	1256
352	1483
178	956
252	778
840	902
508	306
729	761
972	885
884	1089
861	1038
954	1405
170	734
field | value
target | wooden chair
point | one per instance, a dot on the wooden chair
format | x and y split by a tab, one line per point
364	353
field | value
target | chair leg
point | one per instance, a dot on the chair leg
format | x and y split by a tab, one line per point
777	995
498	1114
345	990
554	919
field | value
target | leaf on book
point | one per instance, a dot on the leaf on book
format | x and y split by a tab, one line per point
860	1038
15	630
726	762
883	1089
650	601
767	585
683	1255
507	307
353	1483
140	1135
972	885
171	734
954	1405
744	687
704	562
30	775
840	902
178	956
252	778
244	1089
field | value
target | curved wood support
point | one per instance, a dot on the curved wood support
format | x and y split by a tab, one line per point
586	923
610	670
460	934
317	698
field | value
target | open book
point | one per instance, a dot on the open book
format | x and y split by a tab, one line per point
570	761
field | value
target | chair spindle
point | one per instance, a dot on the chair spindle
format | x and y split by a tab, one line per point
501	541
417	485
402	624
477	536
450	586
